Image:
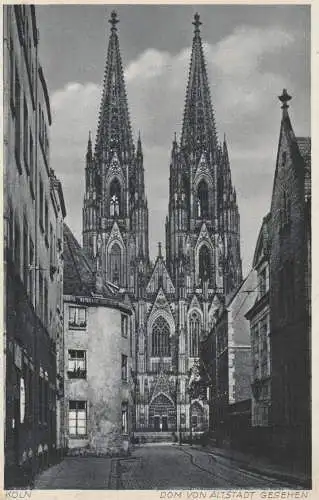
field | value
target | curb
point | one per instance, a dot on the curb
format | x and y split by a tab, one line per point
273	474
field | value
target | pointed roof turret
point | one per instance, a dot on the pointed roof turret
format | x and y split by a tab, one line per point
114	129
198	131
139	152
89	154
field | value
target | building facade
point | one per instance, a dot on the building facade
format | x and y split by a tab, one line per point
33	212
227	356
97	352
259	317
175	299
290	290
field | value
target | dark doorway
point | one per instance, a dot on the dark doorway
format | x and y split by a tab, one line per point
157	424
164	424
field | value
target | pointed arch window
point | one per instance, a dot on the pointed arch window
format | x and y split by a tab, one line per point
161	338
204	262
202	199
115	267
115	198
286	210
185	187
194	328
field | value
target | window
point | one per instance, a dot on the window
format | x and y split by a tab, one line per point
202	199
46	401
124	325
31	158
77	418
41	302
124	419
51	245
77	317
161	338
25	254
41	399
115	198
204	262
263	283
285	210
25	135
76	364
31	270
46	218
45	302
17	122
41	198
124	367
17	246
194	324
115	263
12	97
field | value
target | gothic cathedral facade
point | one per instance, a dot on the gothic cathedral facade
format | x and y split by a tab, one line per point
174	299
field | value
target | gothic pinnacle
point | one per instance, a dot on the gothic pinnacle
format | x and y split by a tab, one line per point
284	98
89	148
197	22
113	20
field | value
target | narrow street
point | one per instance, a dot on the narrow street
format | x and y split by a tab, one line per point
156	467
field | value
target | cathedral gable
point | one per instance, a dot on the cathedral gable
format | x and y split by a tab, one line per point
160	278
115	170
162	386
161	304
115	235
204	236
202	170
195	304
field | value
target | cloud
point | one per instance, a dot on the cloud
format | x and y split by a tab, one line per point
245	75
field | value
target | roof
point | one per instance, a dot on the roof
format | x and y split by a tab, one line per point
304	145
79	277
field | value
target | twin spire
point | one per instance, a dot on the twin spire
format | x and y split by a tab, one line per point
114	133
198	130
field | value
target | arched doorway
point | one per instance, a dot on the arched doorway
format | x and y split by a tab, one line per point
162	414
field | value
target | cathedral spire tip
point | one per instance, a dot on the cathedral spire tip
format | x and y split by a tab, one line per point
284	98
113	20
197	23
159	249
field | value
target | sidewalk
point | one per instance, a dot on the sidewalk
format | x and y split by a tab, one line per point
290	473
77	473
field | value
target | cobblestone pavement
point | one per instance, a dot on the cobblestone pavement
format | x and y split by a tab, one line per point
155	467
160	467
78	473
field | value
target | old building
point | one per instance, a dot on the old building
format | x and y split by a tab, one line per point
290	291
97	353
259	317
175	299
227	357
33	213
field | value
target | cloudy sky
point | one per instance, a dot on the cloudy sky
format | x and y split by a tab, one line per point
252	53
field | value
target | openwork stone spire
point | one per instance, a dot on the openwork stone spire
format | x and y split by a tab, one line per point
114	129
198	132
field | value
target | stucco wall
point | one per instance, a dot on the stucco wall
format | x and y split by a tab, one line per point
103	388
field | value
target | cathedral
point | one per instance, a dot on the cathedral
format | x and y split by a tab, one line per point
175	298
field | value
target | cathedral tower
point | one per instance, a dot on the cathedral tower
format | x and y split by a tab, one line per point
202	228
115	213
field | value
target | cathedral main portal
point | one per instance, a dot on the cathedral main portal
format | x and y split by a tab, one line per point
162	414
